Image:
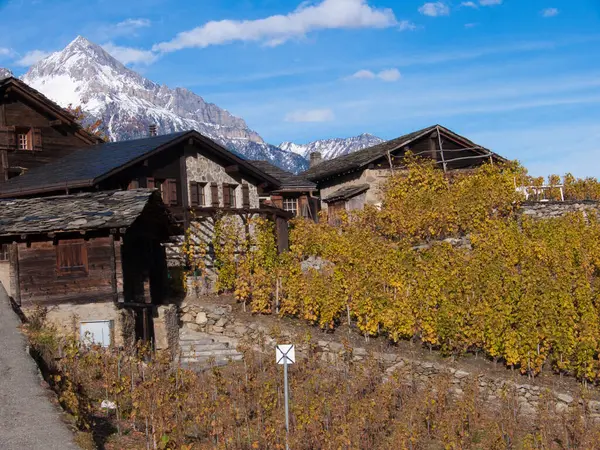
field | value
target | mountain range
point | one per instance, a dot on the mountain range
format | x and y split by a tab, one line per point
332	148
83	73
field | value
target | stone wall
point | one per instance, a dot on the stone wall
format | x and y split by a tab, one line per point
220	320
375	178
5	275
166	329
545	210
67	317
203	170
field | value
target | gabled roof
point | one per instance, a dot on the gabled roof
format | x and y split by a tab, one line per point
362	158
43	102
88	166
72	213
346	193
287	180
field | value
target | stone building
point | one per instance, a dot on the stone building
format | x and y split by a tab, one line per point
351	181
295	194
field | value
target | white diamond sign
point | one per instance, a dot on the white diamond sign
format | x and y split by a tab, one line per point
285	354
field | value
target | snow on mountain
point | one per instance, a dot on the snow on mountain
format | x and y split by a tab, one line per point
83	73
5	73
332	148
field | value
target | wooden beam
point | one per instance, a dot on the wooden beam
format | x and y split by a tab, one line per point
55	123
232	169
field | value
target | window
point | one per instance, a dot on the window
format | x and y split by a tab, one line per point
168	189
29	139
291	205
229	195
197	194
4	252
71	256
24	140
133	184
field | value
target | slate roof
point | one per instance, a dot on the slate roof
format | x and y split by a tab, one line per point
78	212
356	160
346	193
287	180
89	165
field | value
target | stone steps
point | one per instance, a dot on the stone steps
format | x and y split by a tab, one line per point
200	351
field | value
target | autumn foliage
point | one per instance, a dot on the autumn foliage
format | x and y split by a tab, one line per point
449	262
341	405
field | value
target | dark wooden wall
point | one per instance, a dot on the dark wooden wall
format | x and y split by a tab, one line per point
57	140
40	283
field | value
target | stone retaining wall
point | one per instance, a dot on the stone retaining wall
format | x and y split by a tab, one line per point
220	320
546	210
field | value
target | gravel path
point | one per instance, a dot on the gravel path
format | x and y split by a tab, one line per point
28	421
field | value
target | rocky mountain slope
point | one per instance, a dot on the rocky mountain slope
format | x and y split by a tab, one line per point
85	74
332	148
5	73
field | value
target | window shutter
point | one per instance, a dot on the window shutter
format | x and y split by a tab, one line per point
245	196
172	192
226	195
37	139
8	138
150	183
194	193
214	192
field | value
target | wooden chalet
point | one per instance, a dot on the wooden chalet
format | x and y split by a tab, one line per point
90	258
34	130
294	193
197	179
353	180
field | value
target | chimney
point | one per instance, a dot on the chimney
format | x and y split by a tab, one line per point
315	158
152	129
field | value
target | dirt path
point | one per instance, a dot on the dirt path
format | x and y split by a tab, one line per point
27	418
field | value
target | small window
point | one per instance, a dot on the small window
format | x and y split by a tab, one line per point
133	184
167	189
96	332
4	252
71	257
291	205
245	196
24	139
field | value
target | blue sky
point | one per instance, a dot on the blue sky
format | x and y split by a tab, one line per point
521	77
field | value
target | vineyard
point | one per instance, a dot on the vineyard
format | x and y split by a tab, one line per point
446	261
151	403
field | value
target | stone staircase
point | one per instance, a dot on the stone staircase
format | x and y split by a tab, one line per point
202	350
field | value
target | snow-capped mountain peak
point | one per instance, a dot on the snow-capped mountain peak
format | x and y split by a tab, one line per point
5	73
332	148
85	74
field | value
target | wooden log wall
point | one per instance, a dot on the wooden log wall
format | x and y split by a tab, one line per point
56	141
40	283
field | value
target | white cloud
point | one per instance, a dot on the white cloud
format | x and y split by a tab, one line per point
129	55
435	9
31	58
406	25
490	2
5	51
312	115
469	4
127	27
275	30
364	75
550	12
388	75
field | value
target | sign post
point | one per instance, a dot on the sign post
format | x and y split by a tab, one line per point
286	354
